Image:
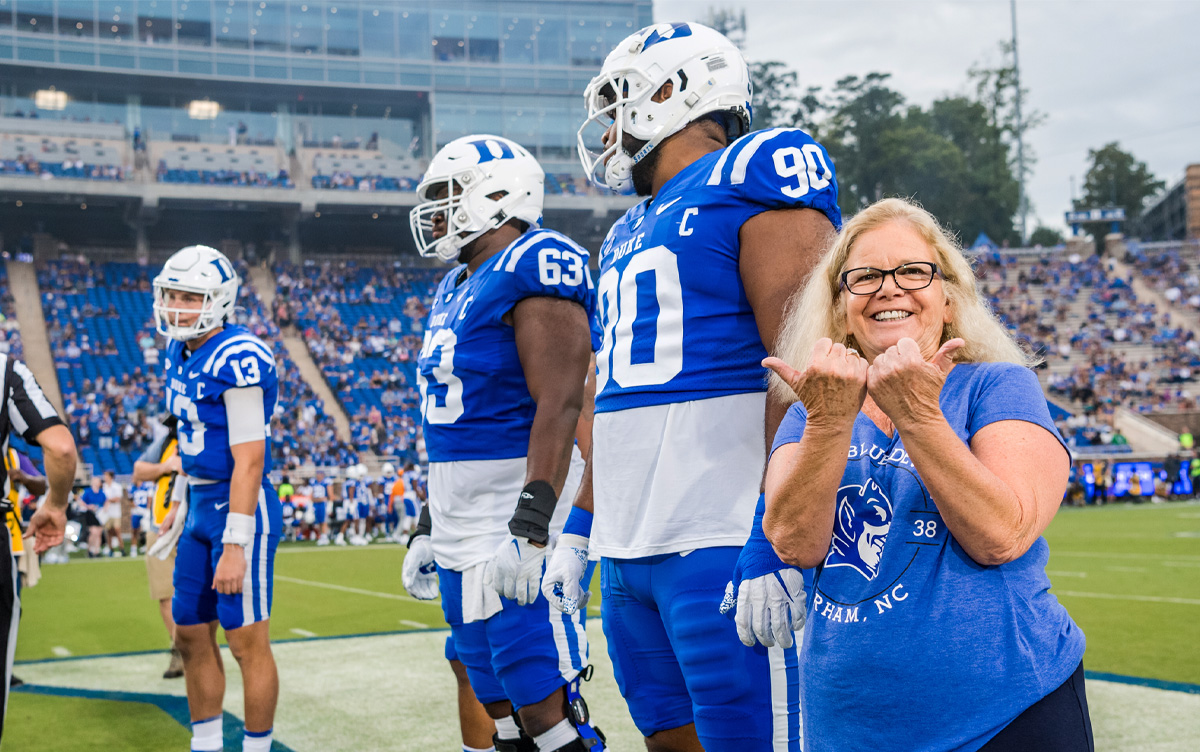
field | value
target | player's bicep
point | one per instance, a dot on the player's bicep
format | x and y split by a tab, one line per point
778	250
554	345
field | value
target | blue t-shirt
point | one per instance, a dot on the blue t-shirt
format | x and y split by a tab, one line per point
475	403
196	384
910	644
677	323
93	498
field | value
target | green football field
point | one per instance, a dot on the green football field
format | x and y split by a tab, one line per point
1129	575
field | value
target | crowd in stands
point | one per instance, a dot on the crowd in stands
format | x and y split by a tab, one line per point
1087	347
362	327
1171	269
27	165
253	178
343	180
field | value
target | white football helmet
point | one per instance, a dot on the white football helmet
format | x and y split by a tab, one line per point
388	469
472	169
708	75
201	270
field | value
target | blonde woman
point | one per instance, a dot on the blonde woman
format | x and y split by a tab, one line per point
914	474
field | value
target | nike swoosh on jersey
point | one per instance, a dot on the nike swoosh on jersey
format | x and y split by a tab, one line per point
222	506
666	206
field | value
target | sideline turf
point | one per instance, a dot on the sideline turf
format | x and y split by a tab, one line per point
96	607
73	724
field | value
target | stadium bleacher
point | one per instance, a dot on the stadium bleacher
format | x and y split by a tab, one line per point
363	325
47	156
221	165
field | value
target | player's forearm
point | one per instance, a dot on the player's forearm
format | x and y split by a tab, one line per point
148	472
246	482
551	439
801	494
583	497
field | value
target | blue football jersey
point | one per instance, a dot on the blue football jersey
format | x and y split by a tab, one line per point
677	323
475	404
196	384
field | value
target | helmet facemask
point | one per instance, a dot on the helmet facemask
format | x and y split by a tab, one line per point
465	215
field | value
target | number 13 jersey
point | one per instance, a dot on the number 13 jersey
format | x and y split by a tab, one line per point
475	403
678	445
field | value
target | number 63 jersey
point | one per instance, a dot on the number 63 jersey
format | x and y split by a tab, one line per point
678	442
196	386
475	403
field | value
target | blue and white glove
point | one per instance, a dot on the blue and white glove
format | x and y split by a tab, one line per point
419	572
515	570
563	583
766	595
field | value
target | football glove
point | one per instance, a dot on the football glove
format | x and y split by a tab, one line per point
419	572
563	583
766	596
515	570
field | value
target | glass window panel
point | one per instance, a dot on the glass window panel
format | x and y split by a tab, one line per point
343	75
378	30
35	16
552	41
263	70
268	25
75	57
76	18
341	29
413	37
146	62
155	24
588	46
305	26
518	37
6	13
387	78
116	61
307	73
116	20
449	36
195	66
193	23
231	20
483	37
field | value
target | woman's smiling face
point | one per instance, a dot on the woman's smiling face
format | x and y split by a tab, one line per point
881	319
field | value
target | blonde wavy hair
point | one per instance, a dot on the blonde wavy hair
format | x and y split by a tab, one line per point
819	309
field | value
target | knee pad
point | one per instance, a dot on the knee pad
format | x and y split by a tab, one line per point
591	738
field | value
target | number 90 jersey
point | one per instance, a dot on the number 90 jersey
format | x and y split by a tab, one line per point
196	385
475	403
677	324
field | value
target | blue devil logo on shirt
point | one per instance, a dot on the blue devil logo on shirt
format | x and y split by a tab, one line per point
864	516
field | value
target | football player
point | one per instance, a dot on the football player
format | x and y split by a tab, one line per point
501	375
318	489
221	386
693	284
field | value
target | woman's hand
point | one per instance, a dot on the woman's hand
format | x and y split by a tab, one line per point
832	387
905	386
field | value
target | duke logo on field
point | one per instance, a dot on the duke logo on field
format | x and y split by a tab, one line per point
864	517
490	149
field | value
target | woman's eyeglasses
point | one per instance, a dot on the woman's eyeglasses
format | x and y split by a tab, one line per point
868	280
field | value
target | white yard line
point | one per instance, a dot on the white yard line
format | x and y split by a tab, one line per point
414	624
344	589
1066	574
1143	598
60	651
1127	569
302	632
1110	555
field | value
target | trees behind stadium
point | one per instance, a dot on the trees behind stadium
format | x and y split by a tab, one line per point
957	157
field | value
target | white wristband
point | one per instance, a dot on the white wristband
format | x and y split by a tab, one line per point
239	529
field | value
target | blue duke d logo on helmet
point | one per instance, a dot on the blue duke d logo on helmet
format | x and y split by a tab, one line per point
663	32
864	517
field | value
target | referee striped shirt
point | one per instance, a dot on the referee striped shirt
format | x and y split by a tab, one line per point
27	411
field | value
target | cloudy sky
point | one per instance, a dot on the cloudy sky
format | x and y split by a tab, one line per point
1099	70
